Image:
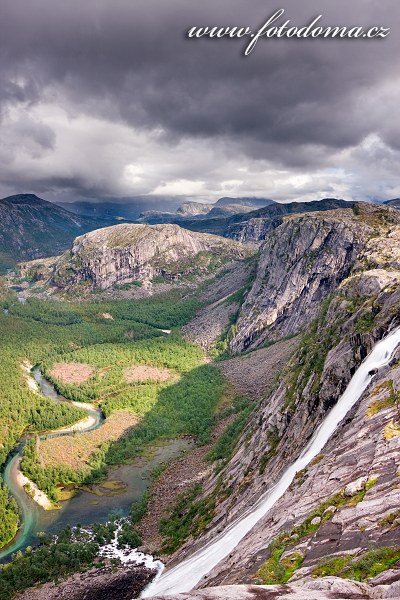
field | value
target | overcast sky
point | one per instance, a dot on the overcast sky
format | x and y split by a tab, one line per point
108	98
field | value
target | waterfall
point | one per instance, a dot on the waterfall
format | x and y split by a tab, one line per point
185	576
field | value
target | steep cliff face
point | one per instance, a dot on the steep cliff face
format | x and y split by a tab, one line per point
253	230
340	515
255	226
126	253
302	262
344	506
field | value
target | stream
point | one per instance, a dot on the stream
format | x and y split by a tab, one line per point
187	574
93	504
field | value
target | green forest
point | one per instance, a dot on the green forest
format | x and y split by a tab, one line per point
184	405
47	332
52	560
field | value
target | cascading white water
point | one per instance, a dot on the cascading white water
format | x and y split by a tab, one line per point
188	573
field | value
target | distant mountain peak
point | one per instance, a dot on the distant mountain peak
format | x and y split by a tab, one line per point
31	227
253	201
24	199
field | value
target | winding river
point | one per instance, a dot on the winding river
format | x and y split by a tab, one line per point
187	574
89	505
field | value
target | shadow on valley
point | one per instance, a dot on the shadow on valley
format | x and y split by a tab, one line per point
186	407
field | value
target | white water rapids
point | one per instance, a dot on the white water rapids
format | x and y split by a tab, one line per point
188	573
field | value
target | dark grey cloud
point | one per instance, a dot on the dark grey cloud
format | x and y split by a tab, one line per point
124	69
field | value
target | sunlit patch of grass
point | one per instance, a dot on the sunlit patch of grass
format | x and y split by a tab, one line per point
279	570
370	564
332	566
391	430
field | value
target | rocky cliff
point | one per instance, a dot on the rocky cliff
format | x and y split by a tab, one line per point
341	513
302	262
340	516
128	253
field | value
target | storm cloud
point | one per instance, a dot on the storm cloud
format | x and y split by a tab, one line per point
101	98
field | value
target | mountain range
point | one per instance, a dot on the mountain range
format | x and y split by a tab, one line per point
224	207
32	228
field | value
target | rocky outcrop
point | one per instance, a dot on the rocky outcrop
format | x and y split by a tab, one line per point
304	260
191	209
127	253
300	264
253	230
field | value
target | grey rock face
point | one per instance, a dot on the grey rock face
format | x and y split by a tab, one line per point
253	230
355	486
301	263
307	258
125	253
194	208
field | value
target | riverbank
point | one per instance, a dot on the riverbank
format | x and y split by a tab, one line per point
27	367
32	490
81	426
21	486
